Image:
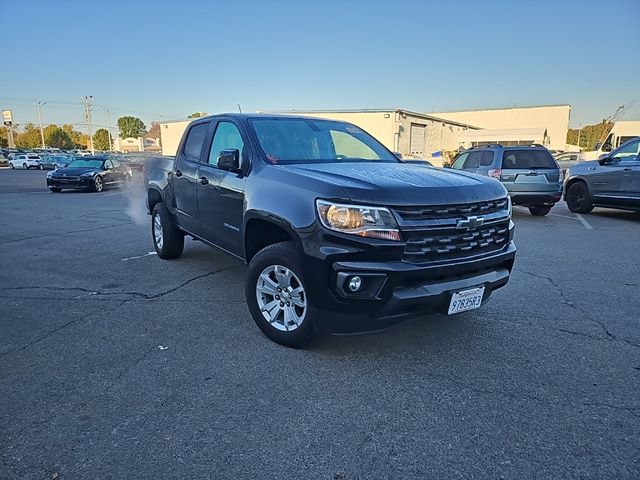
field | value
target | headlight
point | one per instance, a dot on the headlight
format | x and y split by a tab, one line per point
49	173
370	222
510	205
87	174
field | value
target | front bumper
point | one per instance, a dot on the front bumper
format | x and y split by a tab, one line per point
69	183
394	290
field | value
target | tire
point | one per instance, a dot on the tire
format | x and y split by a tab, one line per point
540	210
578	199
56	167
55	190
12	166
98	184
293	325
167	239
40	167
25	166
127	182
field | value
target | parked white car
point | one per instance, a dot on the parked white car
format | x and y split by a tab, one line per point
26	161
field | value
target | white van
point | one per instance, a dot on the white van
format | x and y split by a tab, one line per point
621	132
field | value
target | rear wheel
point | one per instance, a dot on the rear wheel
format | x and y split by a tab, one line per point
98	183
540	210
13	167
55	189
40	167
578	199
167	239
276	296
25	166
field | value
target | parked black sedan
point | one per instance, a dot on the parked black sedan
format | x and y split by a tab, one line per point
89	173
53	162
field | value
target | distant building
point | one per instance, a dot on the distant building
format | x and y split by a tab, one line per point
552	118
140	144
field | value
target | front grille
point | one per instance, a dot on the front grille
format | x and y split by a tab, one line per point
445	211
68	177
450	244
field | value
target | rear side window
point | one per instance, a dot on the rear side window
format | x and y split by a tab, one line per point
527	159
473	161
487	158
195	141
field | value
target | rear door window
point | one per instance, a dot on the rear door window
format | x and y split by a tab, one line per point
473	161
527	160
195	141
486	159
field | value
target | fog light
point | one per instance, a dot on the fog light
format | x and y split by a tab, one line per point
355	283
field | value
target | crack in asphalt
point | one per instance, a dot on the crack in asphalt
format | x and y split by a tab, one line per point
579	310
109	311
4	242
98	293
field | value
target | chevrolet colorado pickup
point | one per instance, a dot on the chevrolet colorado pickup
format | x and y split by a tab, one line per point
339	234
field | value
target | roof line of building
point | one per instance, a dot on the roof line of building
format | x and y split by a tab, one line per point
376	110
514	107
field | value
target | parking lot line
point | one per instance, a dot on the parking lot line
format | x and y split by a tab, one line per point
584	222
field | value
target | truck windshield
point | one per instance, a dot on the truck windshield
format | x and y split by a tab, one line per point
292	140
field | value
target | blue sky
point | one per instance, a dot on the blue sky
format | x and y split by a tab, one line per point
157	59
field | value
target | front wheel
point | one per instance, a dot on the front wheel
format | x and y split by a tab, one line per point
167	239
41	167
277	298
540	210
98	184
578	199
13	167
25	166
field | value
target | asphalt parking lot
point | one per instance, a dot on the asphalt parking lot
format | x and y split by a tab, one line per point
116	364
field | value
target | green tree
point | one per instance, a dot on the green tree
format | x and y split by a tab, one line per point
131	127
29	137
197	115
56	137
590	135
80	140
101	139
4	137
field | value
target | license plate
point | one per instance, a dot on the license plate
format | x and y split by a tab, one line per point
466	300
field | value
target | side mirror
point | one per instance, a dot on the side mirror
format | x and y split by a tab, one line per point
229	160
605	159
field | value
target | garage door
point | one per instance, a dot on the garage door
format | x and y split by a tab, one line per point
416	144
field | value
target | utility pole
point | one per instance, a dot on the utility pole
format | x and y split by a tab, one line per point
88	103
38	106
579	129
107	111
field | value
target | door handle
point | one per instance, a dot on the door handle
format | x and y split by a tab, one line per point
204	180
178	173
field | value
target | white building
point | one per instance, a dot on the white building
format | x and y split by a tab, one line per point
553	118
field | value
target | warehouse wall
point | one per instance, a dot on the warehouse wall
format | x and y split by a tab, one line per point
378	124
171	134
555	118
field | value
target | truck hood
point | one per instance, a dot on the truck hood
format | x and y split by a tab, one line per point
401	183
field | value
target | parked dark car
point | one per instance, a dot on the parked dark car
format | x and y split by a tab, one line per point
339	235
611	181
53	162
89	173
530	174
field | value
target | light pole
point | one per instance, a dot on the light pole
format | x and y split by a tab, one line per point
108	112
38	106
88	102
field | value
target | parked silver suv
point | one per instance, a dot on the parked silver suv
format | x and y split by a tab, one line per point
530	173
611	181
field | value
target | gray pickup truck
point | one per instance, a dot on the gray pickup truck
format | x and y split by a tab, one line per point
339	234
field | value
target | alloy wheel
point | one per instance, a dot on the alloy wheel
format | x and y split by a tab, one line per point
158	236
98	184
281	298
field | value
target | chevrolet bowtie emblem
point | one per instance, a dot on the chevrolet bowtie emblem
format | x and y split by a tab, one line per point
469	223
